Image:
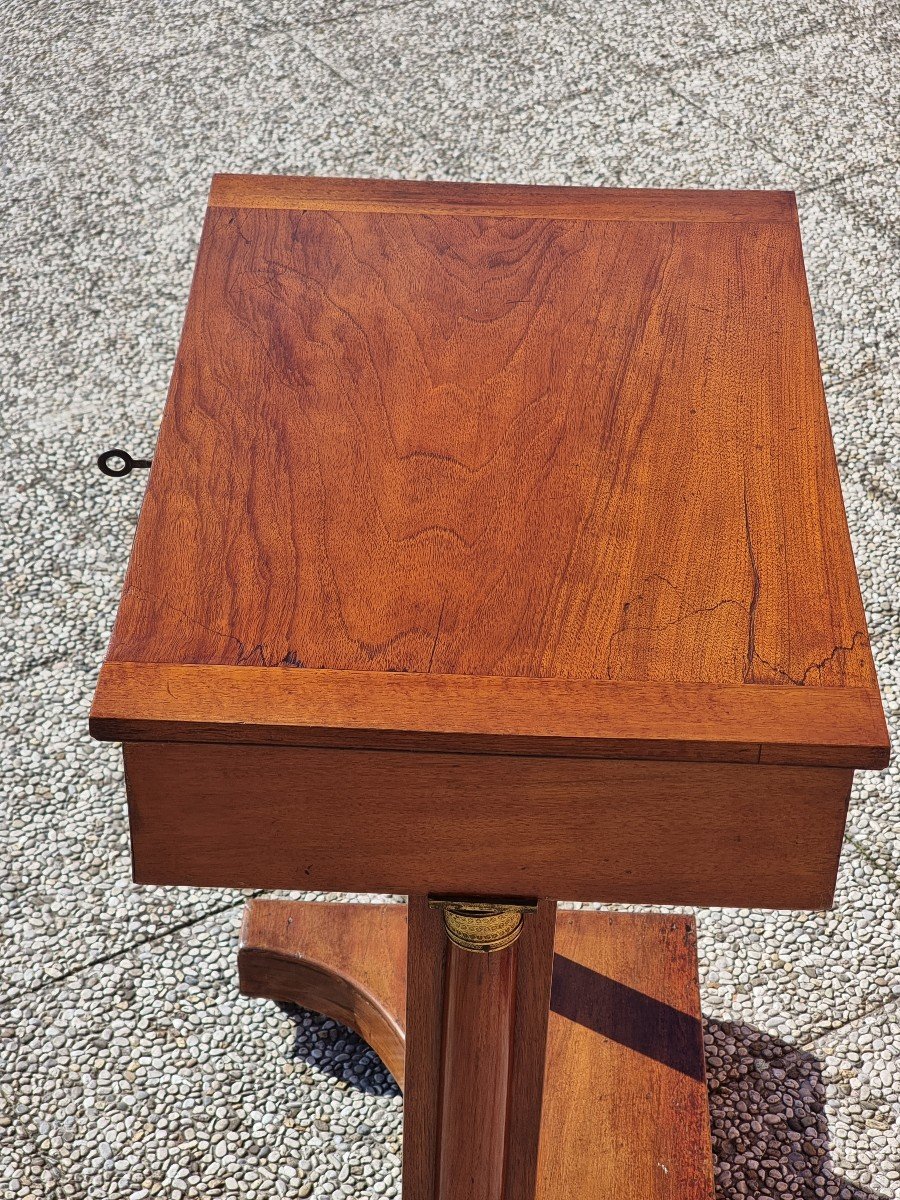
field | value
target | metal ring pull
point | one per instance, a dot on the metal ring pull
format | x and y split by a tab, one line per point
108	457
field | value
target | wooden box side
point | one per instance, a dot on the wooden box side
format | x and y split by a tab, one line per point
403	822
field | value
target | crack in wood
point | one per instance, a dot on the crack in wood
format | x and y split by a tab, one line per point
754	594
859	638
657	628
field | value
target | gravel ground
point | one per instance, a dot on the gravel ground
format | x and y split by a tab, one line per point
130	1066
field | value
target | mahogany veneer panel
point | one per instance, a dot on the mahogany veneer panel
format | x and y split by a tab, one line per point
485	824
497	446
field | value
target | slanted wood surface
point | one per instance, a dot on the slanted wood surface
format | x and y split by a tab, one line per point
497	446
464	431
624	1111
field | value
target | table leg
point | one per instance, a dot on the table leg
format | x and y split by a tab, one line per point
624	1103
476	1046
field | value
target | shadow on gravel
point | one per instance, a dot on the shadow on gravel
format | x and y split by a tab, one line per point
766	1100
767	1112
337	1052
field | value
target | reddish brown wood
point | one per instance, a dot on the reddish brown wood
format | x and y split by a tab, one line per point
560	457
494	200
477	1027
624	1111
534	976
426	956
502	446
400	822
475	1098
584	717
517	471
335	959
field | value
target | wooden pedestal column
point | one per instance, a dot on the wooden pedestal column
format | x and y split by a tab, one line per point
476	1045
623	1114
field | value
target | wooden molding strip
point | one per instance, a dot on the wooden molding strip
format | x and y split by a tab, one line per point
755	723
492	199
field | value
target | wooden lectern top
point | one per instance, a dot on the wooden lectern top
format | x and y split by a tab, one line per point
482	467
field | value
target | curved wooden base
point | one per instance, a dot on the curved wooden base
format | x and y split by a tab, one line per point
624	1113
346	961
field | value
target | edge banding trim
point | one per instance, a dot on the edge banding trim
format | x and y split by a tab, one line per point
500	200
761	723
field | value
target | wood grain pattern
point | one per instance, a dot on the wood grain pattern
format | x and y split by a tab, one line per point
451	430
459	491
481	714
477	1032
492	199
425	970
624	1112
334	960
503	447
535	957
401	822
478	1018
625	1106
